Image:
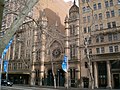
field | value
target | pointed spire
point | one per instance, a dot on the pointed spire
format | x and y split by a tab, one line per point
43	13
66	18
74	2
56	24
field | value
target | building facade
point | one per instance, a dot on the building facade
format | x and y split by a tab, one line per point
99	26
72	46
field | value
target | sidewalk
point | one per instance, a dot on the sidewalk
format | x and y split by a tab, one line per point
62	88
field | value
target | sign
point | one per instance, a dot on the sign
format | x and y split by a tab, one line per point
5	65
64	63
7	47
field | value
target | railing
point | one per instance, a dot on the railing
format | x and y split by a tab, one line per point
105	56
106	31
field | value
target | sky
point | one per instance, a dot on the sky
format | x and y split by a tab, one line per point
72	1
68	0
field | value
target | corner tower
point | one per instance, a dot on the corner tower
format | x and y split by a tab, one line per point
72	45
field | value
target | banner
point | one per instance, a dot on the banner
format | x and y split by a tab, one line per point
64	63
5	65
6	48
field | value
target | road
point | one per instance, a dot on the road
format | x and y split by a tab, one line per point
14	87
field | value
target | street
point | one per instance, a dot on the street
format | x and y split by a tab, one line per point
15	87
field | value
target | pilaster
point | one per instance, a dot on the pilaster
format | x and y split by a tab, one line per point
108	75
95	75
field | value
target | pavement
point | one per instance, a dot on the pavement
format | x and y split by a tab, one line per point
27	87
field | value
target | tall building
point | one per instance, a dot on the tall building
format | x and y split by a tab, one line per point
100	27
53	8
72	46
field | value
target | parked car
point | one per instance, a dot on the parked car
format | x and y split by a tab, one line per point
6	82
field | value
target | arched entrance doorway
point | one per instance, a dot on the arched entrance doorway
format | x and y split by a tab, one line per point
50	79
59	75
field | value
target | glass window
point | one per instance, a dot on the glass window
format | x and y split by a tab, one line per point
74	49
71	51
119	12
88	18
112	13
101	38
87	0
84	9
116	48
108	14
95	7
115	36
106	4
110	48
114	24
89	41
71	30
85	39
100	16
110	37
88	8
85	51
86	65
96	27
84	19
99	5
109	25
85	30
89	29
90	51
97	50
102	73
95	16
83	1
101	26
102	50
118	1
111	2
97	39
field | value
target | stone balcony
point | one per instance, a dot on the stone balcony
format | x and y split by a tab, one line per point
106	31
105	56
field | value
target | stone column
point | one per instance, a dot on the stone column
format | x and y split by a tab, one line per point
33	74
19	52
108	75
78	53
14	44
44	24
42	55
67	51
95	75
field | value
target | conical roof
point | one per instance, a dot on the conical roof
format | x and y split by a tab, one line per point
74	8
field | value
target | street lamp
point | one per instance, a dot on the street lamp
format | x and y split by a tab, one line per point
58	77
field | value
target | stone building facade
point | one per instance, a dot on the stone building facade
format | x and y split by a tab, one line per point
100	26
37	51
36	45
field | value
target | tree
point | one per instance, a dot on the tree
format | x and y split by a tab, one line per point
1	11
23	12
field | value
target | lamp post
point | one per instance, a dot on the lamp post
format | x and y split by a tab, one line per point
53	71
58	77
